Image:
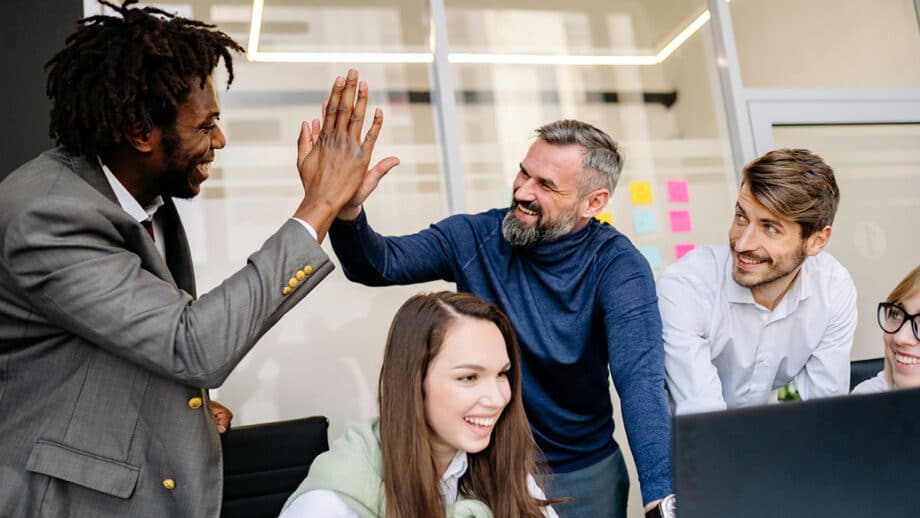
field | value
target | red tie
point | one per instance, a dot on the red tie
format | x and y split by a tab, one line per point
148	226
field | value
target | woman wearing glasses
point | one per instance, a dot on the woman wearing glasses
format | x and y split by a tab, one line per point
899	318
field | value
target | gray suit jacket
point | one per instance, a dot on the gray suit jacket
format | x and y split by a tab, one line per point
104	348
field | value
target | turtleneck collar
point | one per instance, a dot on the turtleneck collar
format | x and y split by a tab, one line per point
558	250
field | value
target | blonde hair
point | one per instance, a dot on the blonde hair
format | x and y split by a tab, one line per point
905	289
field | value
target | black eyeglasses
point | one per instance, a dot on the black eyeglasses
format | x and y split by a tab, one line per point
891	317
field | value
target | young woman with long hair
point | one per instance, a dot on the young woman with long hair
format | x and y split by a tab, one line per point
452	439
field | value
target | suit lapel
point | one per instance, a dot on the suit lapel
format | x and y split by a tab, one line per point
135	235
92	174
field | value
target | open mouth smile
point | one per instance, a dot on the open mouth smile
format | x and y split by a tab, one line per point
745	260
527	211
482	422
907	359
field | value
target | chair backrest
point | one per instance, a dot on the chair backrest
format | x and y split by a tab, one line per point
862	370
264	464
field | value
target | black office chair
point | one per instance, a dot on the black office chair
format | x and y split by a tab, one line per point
862	370
264	464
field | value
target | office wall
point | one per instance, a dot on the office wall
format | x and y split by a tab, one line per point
324	357
32	31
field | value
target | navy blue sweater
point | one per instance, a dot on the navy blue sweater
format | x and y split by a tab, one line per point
578	304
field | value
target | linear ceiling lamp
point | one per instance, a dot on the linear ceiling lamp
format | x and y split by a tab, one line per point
253	53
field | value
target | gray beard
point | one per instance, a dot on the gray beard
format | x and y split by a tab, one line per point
518	235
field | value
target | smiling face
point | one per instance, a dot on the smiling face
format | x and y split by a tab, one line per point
902	349
546	203
768	249
466	387
187	147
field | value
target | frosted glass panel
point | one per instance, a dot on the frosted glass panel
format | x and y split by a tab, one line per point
827	43
878	171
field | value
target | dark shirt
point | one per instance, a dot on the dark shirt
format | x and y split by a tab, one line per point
578	304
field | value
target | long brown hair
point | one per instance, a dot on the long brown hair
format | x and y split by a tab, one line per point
497	475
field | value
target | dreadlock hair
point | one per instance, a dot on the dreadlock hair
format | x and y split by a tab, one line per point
117	72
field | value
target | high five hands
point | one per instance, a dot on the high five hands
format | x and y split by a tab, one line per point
333	160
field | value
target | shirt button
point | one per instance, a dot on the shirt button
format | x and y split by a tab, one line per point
300	275
195	403
293	282
169	484
286	291
307	270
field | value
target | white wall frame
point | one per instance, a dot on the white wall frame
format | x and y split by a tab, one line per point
752	112
740	135
810	106
444	102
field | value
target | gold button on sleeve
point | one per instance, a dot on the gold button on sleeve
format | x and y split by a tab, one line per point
293	282
300	275
169	484
286	291
307	270
195	403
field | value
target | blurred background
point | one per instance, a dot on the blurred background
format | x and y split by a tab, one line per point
692	90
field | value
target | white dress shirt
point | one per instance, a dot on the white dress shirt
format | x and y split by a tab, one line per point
324	503
722	349
874	385
132	207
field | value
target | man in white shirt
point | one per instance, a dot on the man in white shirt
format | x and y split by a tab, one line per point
771	307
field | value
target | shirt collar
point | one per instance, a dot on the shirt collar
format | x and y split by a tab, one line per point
457	467
127	201
450	480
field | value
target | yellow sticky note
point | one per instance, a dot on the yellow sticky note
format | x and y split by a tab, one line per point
641	193
605	217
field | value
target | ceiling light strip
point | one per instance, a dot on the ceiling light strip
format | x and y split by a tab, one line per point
548	59
684	35
460	57
341	57
255	29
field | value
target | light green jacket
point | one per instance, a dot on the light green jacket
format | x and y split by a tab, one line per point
353	469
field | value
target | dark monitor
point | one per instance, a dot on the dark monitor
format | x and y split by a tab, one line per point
851	456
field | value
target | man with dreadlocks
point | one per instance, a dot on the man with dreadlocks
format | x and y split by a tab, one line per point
106	354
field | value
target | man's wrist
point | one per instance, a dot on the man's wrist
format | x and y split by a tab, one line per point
319	216
349	214
664	508
308	227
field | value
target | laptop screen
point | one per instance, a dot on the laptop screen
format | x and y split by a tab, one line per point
849	456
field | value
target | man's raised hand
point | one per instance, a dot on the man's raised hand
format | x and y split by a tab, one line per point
332	159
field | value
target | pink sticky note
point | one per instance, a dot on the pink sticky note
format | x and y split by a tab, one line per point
677	191
681	249
680	221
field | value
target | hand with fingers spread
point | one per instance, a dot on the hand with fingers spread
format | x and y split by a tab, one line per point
372	177
352	209
332	159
